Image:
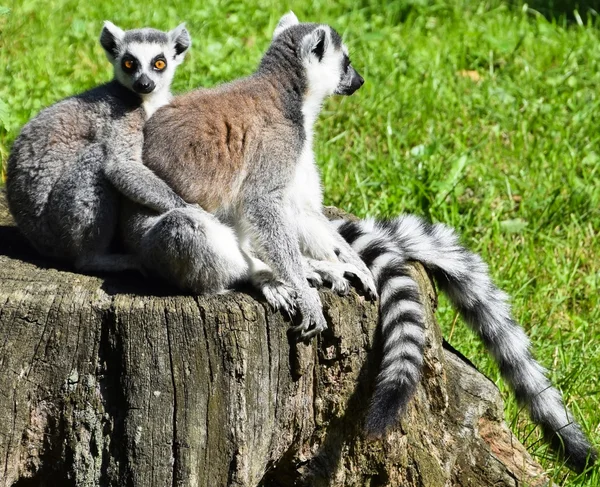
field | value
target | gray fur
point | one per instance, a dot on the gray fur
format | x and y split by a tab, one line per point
70	164
279	232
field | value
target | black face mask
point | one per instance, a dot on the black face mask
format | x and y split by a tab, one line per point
352	81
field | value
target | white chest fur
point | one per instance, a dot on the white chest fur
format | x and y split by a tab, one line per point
306	189
154	101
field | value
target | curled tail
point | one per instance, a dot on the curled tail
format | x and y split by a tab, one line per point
465	278
401	324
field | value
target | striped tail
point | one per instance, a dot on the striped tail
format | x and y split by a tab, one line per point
401	324
464	277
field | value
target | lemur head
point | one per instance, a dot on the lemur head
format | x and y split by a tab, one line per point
322	54
144	60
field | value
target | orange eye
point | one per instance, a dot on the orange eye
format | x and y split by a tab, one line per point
128	64
159	64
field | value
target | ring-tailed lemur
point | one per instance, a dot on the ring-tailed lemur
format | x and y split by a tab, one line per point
243	152
70	162
385	247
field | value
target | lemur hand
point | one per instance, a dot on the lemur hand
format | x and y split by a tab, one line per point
279	295
310	310
365	278
339	273
330	272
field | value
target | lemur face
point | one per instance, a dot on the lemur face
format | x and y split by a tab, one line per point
350	80
144	60
324	56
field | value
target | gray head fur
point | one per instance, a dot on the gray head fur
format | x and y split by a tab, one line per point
309	62
316	55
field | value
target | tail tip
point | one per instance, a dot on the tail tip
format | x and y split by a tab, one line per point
579	462
380	419
376	426
572	445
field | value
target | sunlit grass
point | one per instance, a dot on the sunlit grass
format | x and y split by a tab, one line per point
481	115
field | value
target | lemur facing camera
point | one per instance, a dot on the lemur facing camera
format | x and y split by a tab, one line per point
243	152
70	163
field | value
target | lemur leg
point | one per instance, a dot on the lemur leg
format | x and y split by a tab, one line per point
82	211
274	236
187	247
191	249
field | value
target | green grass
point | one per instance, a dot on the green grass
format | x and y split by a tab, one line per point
481	115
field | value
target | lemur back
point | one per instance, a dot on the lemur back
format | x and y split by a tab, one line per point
227	129
70	164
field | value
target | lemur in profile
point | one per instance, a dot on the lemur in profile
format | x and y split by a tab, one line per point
71	162
243	152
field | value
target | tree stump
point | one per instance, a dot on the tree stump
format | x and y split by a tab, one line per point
119	381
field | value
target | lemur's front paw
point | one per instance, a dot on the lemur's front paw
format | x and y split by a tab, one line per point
311	315
337	274
280	296
333	274
314	279
360	272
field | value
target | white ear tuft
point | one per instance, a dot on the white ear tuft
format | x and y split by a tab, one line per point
181	39
286	21
110	38
316	43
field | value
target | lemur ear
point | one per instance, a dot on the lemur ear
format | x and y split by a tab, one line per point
181	39
286	21
110	39
316	43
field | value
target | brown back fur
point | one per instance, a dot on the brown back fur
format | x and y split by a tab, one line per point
206	143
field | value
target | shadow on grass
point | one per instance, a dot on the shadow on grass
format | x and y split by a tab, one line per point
565	9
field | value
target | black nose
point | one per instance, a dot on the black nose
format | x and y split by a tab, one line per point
361	80
144	85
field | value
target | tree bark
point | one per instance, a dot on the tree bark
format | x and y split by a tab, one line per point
118	381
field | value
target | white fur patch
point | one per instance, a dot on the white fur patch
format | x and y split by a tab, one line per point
225	244
153	101
323	75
